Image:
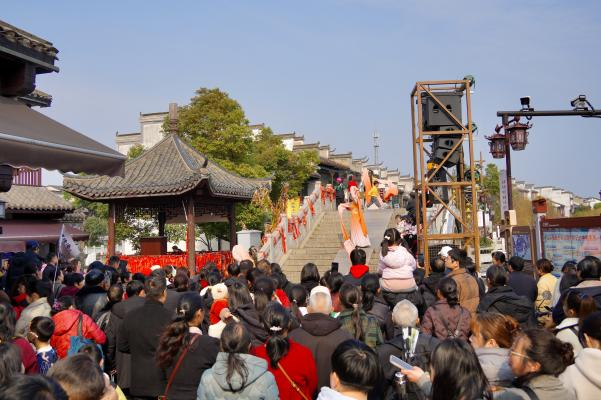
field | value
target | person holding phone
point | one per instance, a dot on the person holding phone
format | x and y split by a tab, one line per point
455	362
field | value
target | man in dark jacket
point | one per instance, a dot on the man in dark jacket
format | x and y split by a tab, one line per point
320	333
139	336
358	269
522	283
116	359
429	284
408	344
502	299
92	298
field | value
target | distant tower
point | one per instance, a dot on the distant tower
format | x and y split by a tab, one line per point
376	147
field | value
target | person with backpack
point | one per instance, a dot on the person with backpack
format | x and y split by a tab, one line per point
71	323
291	364
408	344
447	318
355	321
184	353
374	304
502	299
577	307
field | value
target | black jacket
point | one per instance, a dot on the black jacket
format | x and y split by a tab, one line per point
428	287
505	301
397	347
381	311
200	357
247	314
309	285
91	300
523	284
21	264
321	334
122	361
139	336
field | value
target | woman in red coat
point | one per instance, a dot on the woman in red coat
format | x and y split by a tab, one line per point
66	321
291	363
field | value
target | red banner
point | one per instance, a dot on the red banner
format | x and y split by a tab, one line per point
143	263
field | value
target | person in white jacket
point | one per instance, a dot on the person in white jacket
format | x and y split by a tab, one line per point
583	378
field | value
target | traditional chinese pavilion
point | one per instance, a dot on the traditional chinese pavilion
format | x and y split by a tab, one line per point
173	183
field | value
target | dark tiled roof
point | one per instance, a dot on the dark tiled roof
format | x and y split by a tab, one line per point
29	43
326	162
34	198
170	168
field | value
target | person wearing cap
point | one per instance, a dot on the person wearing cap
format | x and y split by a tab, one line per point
92	298
320	333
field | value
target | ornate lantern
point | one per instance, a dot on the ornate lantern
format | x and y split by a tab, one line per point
518	134
497	145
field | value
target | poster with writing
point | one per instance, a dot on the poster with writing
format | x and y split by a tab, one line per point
522	246
571	244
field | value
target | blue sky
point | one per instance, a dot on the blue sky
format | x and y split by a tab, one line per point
333	70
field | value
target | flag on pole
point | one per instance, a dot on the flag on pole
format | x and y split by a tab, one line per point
67	248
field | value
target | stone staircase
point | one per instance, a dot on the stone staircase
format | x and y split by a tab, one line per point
324	245
320	247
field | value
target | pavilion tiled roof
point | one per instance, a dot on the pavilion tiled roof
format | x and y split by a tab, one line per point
170	168
34	198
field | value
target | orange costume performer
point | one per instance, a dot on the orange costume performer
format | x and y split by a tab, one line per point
358	235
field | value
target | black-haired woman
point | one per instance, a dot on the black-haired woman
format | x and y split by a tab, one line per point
241	306
237	374
455	373
374	304
446	318
7	335
183	346
537	358
396	267
309	277
291	363
357	322
355	372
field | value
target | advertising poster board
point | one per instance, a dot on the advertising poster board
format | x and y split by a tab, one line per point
570	239
522	242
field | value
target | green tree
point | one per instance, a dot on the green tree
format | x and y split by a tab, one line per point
491	186
216	125
135	151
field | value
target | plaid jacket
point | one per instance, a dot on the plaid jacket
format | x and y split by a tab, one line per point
371	327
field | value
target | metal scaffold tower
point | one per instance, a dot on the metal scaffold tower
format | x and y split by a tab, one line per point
444	168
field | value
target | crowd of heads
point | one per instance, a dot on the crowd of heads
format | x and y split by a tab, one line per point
250	304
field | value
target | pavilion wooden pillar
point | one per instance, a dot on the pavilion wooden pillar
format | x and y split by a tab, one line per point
111	246
162	218
231	219
191	235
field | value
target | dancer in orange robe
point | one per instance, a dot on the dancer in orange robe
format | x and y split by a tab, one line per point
358	235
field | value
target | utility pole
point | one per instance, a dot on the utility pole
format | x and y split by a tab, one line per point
376	147
484	195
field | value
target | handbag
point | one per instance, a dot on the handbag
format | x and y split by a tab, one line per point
177	364
294	385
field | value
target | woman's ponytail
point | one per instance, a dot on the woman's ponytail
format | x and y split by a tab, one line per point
277	322
350	297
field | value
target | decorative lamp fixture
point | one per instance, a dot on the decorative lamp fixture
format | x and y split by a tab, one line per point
497	143
2	209
518	134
